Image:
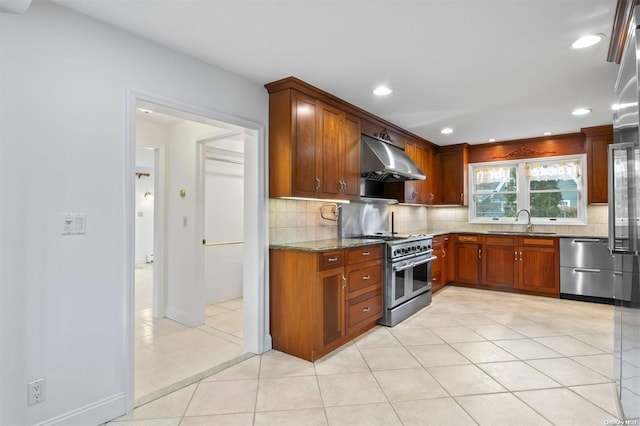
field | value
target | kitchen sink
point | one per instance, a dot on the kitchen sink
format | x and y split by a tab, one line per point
520	233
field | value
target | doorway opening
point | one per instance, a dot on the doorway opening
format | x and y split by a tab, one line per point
189	319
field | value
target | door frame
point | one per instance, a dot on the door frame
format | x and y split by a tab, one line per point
255	284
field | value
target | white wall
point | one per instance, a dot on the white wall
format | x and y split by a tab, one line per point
224	218
63	94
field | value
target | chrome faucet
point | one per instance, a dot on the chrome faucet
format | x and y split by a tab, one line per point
529	225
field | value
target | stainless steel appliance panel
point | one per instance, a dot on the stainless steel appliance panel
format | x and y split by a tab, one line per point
587	282
585	253
358	219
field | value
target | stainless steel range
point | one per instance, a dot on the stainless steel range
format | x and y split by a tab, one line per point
407	277
408	259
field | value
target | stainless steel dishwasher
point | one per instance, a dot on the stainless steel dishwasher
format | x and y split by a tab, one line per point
586	269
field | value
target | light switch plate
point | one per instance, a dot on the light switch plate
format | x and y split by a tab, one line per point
74	223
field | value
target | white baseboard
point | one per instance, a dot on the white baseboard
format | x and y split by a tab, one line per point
95	413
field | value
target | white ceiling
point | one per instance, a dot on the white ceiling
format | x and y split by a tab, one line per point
486	68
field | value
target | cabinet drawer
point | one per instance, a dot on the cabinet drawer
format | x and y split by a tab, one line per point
468	238
501	241
364	309
363	254
545	242
370	275
331	259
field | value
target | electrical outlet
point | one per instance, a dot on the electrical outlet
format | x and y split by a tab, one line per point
36	391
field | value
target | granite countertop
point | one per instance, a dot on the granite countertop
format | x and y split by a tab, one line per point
326	245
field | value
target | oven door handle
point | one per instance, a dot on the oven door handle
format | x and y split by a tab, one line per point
422	262
414	264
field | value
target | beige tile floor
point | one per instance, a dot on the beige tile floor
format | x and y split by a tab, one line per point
473	357
169	355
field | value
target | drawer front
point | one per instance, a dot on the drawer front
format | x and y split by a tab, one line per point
363	254
331	259
545	242
368	276
364	310
501	241
467	238
587	282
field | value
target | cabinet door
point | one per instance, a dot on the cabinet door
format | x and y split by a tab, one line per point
597	167
306	179
437	266
415	191
467	259
452	179
332	284
539	269
330	142
351	176
499	265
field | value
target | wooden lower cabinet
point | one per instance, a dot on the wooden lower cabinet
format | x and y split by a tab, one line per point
321	300
539	267
440	267
508	263
468	254
499	257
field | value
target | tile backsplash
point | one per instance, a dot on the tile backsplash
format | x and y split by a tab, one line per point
456	219
297	220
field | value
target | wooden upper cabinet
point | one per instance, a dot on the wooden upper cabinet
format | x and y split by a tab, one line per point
352	144
419	191
453	174
597	147
305	150
314	148
330	145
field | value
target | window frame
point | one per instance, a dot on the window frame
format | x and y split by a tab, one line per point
523	193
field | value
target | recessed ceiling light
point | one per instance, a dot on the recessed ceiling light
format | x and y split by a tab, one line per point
547	133
492	140
146	111
446	131
587	41
382	91
581	111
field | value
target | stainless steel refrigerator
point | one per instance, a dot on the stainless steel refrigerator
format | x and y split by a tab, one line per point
624	226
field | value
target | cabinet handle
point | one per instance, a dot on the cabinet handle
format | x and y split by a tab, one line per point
366	277
317	184
520	255
366	253
444	253
515	255
367	309
462	197
344	186
344	282
479	253
332	259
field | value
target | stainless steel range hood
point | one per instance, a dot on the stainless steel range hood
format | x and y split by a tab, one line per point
384	162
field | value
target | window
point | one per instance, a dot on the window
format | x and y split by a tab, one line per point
551	189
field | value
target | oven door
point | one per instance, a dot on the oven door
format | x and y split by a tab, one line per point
408	278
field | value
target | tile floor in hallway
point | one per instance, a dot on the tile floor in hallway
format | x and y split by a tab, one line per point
472	357
169	354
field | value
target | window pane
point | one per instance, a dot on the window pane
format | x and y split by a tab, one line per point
561	203
554	204
495	179
495	205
